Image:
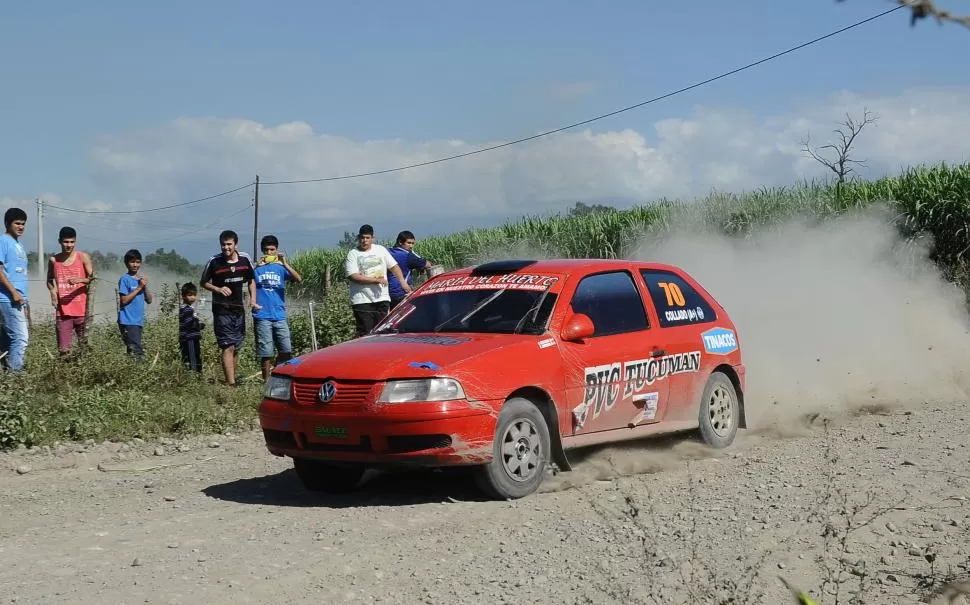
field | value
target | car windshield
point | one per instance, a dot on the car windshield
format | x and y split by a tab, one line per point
491	310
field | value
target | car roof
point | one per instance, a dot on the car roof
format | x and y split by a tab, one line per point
561	266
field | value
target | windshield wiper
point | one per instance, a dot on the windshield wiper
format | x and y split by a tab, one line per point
534	311
468	315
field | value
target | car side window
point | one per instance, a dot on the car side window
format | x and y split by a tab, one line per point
612	301
677	303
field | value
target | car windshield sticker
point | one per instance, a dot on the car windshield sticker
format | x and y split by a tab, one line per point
416	339
547	342
508	281
603	382
719	341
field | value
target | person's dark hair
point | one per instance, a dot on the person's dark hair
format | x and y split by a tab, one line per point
269	240
404	236
66	233
365	230
13	214
189	288
228	234
131	255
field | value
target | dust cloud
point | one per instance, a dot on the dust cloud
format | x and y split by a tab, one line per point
833	317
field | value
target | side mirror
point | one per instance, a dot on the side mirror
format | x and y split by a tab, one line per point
578	327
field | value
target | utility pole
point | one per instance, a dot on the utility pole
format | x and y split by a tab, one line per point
41	267
255	252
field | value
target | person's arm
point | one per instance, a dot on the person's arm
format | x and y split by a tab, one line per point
252	295
14	295
350	268
51	282
292	274
126	293
417	262
148	293
88	268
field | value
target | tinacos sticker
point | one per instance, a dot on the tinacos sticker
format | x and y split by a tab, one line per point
719	341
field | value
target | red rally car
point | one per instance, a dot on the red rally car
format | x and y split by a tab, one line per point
506	366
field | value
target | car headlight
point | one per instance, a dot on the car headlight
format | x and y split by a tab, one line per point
425	389
278	387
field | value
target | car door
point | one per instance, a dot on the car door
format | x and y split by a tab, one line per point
607	375
683	317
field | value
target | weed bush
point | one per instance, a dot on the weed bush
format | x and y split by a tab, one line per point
101	393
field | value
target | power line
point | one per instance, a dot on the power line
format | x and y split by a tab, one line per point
600	117
196	201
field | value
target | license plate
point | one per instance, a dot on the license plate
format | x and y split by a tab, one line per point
330	432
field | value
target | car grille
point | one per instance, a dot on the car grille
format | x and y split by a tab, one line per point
349	392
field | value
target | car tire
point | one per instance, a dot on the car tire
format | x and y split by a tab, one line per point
520	453
720	411
319	476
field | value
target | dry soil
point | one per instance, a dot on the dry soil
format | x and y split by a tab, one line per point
218	520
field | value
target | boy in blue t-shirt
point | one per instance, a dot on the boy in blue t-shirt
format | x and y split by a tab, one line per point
408	260
133	295
13	290
269	313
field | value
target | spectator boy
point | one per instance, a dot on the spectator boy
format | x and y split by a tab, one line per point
269	315
133	295
68	274
190	329
408	260
224	275
13	290
366	266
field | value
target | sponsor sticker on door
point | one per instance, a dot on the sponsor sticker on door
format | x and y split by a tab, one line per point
719	341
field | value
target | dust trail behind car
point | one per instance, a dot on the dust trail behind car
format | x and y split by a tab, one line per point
834	317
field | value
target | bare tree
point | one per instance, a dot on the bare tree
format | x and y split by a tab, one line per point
922	9
841	165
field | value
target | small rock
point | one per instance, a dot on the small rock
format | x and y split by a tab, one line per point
136	562
159	451
214	444
23	469
170	498
173	545
891	527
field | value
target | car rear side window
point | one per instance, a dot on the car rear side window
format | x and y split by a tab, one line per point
612	301
677	303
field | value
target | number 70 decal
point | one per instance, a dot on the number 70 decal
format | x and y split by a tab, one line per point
674	295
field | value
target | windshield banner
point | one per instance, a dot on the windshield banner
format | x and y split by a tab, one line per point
509	281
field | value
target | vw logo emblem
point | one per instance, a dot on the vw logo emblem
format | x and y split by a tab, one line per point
328	391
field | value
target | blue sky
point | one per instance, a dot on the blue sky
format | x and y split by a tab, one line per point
115	76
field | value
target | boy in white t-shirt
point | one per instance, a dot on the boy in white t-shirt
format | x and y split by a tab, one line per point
366	267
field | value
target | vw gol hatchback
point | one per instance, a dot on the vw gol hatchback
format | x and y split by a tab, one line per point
505	367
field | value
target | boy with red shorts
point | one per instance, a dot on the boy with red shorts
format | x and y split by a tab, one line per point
68	274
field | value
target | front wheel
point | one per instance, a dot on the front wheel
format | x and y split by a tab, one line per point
719	412
520	452
319	476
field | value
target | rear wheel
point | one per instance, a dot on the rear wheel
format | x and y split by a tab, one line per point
319	476
520	452
719	412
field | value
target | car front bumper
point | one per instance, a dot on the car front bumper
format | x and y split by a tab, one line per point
451	433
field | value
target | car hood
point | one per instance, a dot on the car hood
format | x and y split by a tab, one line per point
411	355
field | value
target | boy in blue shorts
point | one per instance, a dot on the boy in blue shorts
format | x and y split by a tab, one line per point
133	295
269	313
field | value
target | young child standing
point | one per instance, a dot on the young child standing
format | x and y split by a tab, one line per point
190	329
133	295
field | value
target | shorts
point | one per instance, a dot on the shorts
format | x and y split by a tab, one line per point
270	332
67	327
230	330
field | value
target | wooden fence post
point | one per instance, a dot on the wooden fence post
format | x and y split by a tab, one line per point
89	311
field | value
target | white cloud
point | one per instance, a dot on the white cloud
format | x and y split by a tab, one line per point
726	148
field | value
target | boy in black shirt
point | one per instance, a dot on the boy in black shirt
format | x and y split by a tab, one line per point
224	276
190	329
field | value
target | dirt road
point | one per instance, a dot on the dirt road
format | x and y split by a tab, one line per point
224	522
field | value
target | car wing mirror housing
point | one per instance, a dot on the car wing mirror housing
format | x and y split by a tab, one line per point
578	327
